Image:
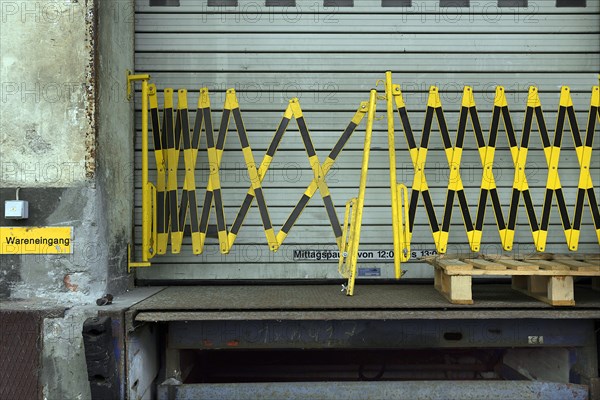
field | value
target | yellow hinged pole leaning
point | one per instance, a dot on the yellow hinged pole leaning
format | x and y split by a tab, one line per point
392	155
148	189
355	224
399	192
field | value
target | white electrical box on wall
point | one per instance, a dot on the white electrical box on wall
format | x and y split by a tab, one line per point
16	209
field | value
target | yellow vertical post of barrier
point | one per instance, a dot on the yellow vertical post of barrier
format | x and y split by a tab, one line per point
148	190
360	202
392	155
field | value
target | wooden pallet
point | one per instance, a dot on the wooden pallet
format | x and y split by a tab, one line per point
593	258
549	279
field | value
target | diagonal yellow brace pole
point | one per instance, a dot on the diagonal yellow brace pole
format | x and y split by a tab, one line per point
455	184
173	133
262	172
315	184
520	185
318	174
213	187
360	202
255	180
189	185
487	152
419	158
552	155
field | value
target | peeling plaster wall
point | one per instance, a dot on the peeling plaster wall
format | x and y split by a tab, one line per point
47	141
65	140
47	93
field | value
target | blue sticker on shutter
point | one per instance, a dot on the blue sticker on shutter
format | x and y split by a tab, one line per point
369	272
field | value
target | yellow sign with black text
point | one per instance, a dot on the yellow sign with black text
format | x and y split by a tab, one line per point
36	240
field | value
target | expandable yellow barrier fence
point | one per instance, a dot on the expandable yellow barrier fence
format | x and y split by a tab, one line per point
173	135
169	205
506	229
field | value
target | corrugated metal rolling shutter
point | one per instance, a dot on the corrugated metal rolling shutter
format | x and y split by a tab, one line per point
329	57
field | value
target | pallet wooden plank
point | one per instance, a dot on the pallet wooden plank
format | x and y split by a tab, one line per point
514	272
580	265
587	257
452	264
547	256
552	265
485	264
518	265
593	258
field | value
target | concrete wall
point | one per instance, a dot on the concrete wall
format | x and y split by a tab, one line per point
115	119
65	139
48	93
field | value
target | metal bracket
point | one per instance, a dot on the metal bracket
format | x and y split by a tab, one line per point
132	264
131	77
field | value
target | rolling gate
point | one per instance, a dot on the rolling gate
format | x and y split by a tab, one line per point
329	54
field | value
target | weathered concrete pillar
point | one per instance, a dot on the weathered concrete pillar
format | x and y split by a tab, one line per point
66	140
